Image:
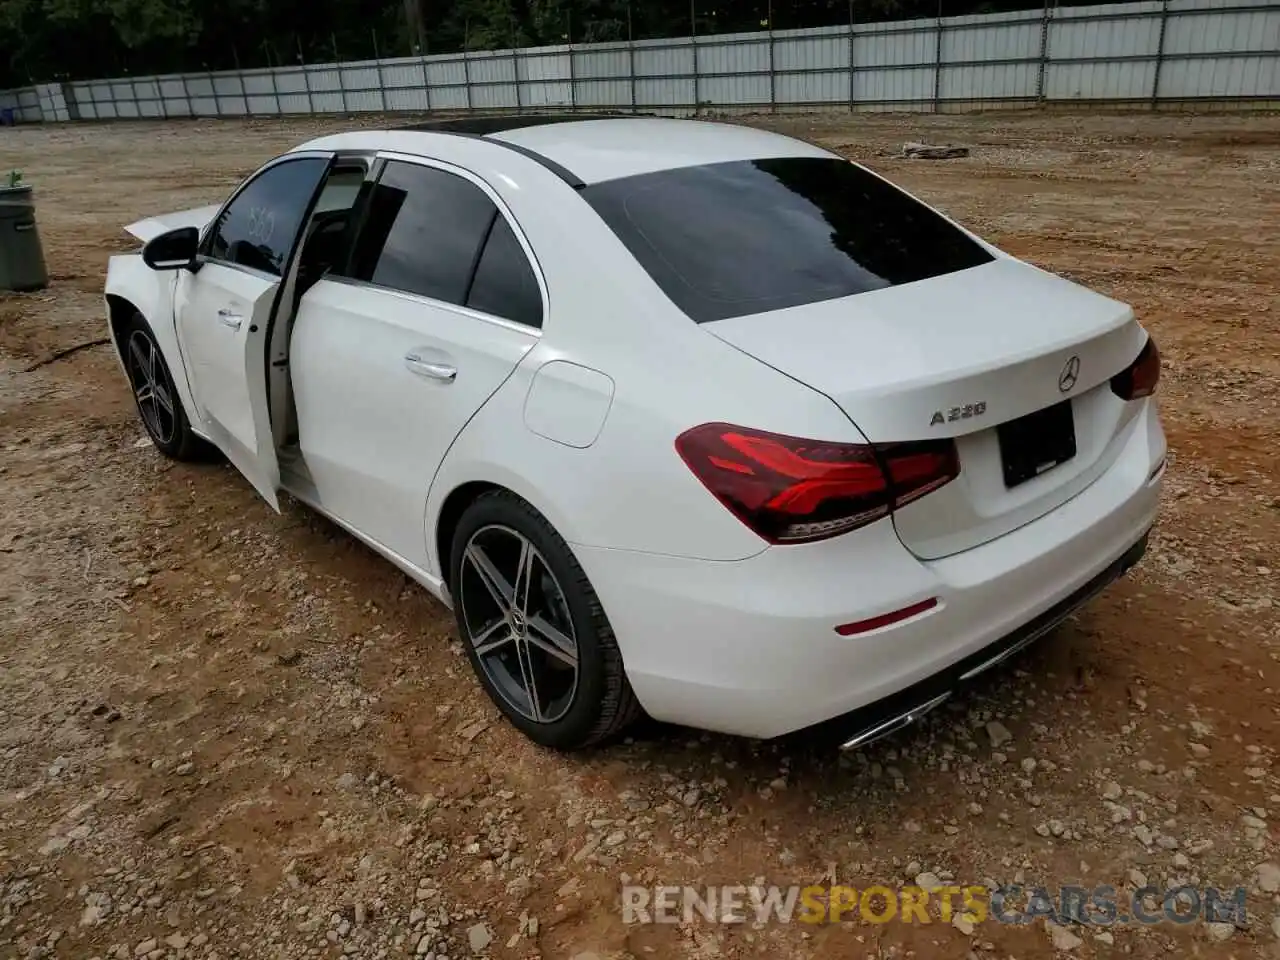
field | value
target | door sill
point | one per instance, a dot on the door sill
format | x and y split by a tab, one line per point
293	469
296	481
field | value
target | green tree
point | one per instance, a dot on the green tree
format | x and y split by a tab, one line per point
80	39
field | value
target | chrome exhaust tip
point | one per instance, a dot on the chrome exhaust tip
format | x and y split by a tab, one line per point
886	727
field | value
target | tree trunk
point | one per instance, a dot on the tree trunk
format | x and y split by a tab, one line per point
524	17
415	19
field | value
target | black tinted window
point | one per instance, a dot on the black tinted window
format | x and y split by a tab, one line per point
422	232
504	284
259	227
730	239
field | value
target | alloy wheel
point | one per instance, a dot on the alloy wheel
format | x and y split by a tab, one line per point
152	388
517	623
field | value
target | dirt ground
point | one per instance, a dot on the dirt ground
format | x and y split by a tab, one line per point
230	733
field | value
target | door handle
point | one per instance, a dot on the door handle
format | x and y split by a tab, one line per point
230	319
432	369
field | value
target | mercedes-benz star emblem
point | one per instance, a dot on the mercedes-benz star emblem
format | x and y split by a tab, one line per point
1069	375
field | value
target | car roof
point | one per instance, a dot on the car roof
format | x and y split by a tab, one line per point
585	149
598	150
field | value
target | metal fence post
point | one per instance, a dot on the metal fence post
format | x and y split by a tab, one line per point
244	96
342	83
693	39
1044	52
1155	79
631	58
573	73
72	104
275	93
466	62
515	64
306	78
377	59
852	73
426	83
937	62
773	77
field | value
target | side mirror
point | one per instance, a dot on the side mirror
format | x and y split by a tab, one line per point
173	250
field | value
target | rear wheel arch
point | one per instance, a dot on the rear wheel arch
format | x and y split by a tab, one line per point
451	511
562	615
464	494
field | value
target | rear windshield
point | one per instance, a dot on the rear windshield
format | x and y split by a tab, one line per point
730	239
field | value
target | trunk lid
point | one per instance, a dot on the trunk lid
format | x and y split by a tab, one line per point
956	356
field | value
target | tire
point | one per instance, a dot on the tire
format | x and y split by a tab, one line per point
502	546
157	401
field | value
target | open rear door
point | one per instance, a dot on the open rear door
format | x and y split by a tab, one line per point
224	320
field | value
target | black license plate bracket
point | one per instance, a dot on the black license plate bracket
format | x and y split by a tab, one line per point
1036	443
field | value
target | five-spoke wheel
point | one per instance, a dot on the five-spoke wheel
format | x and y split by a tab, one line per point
158	402
152	388
534	629
517	622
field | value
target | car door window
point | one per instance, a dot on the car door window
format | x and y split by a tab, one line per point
504	284
259	226
329	232
341	187
422	232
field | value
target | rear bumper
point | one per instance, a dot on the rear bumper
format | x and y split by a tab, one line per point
897	711
749	647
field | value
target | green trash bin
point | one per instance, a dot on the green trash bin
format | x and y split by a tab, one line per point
21	257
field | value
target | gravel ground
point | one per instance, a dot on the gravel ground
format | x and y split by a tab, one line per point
230	733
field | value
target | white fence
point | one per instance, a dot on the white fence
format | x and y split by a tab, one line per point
1151	53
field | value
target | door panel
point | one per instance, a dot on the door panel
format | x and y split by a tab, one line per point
383	383
225	310
223	315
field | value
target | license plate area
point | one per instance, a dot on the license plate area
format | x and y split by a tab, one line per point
1036	443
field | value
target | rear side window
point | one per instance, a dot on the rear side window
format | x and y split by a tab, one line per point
504	283
730	239
422	232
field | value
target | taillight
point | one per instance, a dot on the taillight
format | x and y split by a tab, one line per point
791	490
1139	379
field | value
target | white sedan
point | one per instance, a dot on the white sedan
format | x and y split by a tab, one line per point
680	417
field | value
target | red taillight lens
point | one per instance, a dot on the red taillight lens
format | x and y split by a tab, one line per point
791	490
1140	378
